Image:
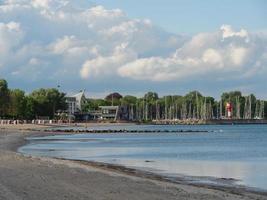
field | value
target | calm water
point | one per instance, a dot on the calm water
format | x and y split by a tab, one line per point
238	152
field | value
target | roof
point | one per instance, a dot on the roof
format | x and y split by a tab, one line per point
78	95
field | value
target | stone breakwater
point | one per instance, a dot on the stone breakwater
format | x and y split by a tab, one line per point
123	131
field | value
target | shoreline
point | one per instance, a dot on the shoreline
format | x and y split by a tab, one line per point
222	184
231	188
17	139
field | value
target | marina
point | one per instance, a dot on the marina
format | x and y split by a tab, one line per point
133	100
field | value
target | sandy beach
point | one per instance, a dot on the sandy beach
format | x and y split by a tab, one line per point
24	177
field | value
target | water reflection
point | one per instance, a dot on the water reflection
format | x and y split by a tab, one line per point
234	152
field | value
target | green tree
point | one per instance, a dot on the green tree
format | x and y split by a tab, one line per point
17	104
114	99
151	97
128	100
3	97
93	104
30	108
48	101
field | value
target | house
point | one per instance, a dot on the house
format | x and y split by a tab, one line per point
109	112
75	110
71	102
76	102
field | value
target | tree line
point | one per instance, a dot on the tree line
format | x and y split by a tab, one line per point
193	105
16	104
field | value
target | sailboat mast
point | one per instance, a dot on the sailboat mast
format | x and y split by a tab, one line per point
250	107
221	109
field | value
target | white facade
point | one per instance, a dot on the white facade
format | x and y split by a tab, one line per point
109	112
72	108
75	102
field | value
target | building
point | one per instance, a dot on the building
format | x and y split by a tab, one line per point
109	112
75	110
71	102
76	102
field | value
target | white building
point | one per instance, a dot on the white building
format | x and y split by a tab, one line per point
109	112
76	102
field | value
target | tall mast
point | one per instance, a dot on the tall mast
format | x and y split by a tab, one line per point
257	110
166	109
217	111
132	112
143	114
197	105
237	107
157	111
190	110
263	110
210	111
137	111
205	108
245	114
176	111
147	110
250	107
221	109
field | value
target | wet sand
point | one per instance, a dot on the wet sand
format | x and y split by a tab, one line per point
24	177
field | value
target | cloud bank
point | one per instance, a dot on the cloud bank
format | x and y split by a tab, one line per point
49	40
223	54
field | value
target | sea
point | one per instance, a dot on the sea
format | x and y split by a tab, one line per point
230	155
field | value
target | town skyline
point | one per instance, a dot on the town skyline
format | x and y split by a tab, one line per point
131	48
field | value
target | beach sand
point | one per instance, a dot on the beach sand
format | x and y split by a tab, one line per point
25	177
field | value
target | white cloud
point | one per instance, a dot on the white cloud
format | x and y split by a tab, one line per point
34	61
212	56
205	54
228	32
41	3
70	40
63	44
70	36
11	36
102	66
239	55
100	11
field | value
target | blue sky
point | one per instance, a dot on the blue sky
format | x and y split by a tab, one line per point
170	46
194	16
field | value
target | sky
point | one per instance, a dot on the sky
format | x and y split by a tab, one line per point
103	46
194	16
